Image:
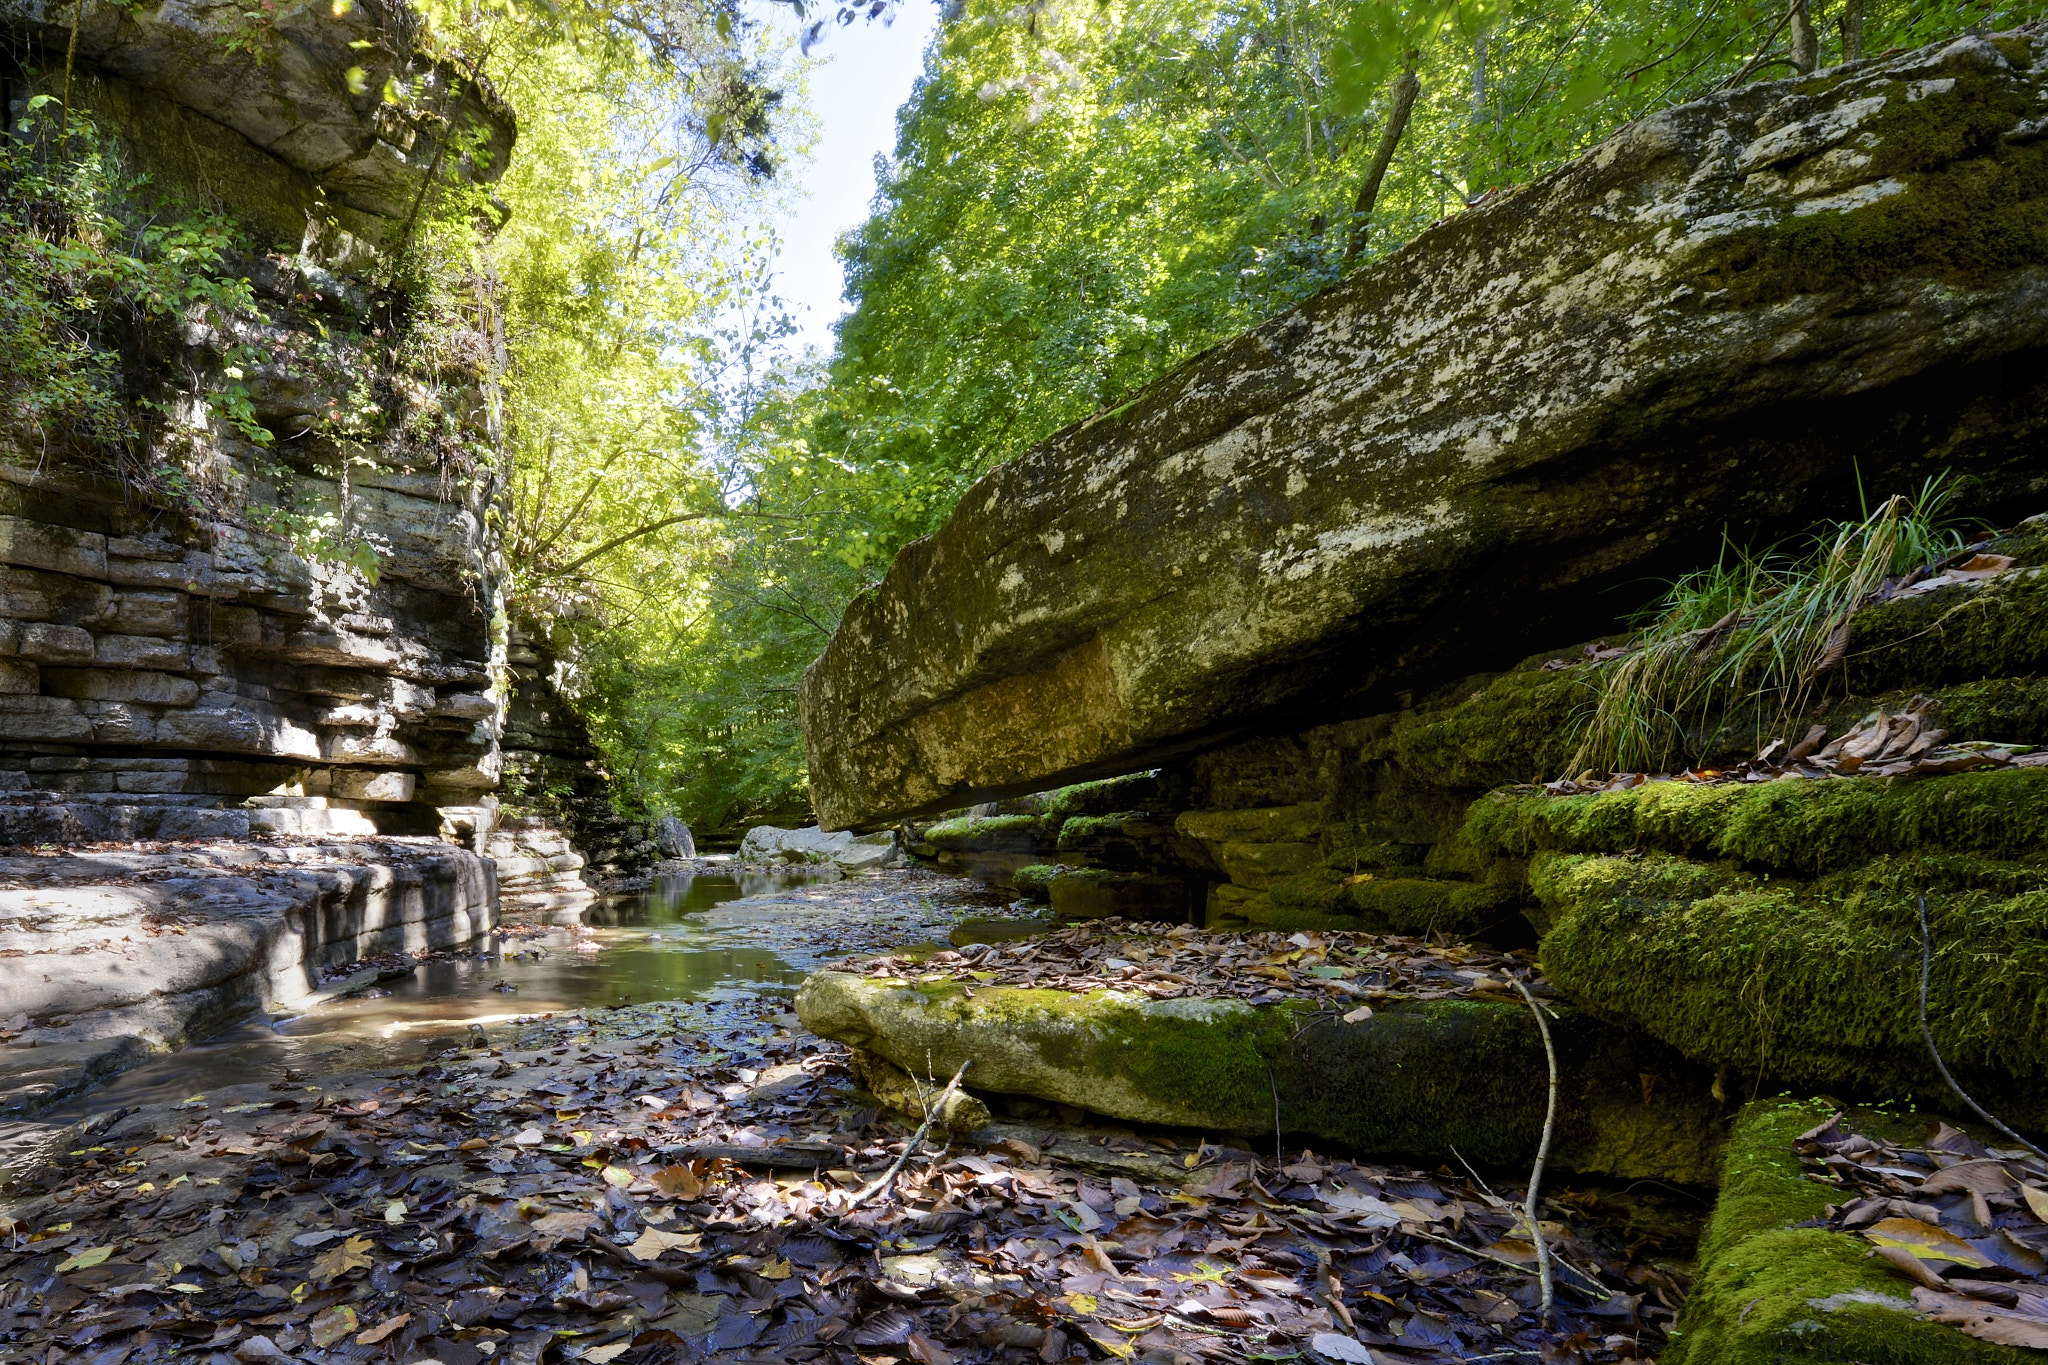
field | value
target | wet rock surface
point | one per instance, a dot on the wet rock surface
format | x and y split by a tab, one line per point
1708	320
112	954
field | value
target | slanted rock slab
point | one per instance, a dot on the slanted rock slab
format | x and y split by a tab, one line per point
1417	1078
1715	318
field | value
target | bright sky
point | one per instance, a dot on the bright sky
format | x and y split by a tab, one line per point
866	75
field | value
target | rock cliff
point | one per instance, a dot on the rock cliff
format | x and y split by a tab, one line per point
1717	317
313	640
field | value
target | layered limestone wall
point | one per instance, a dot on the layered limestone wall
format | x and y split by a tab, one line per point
558	835
311	640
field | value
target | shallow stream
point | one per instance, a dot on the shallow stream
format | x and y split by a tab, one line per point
704	937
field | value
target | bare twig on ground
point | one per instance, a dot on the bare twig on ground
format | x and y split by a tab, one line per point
1927	1033
881	1182
1542	1150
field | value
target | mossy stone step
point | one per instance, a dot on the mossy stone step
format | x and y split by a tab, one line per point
1815	983
1392	901
1419	1078
1801	826
1770	1292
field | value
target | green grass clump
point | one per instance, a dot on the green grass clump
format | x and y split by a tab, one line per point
1815	983
1753	631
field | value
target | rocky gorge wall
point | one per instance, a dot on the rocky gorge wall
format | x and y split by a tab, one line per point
258	682
313	640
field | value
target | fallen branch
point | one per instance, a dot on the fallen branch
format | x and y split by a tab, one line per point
1542	1151
882	1181
1592	1289
1927	1033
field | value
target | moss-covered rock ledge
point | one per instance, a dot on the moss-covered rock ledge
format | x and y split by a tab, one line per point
1418	1078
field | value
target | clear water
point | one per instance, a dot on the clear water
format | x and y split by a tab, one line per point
669	943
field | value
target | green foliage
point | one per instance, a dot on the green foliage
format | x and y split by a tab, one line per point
93	269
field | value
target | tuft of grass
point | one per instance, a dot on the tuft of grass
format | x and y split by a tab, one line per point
1757	630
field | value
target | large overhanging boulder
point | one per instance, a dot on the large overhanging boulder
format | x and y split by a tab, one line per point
1719	318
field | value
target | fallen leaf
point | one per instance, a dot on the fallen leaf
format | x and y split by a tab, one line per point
394	1212
2037	1202
604	1355
653	1242
678	1182
331	1326
567	1225
335	1262
86	1259
382	1330
1926	1241
1983	1321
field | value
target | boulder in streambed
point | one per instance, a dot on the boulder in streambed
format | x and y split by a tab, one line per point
674	839
812	846
1419	1078
1717	317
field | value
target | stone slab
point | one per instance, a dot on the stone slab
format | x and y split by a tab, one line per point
1417	1079
1715	318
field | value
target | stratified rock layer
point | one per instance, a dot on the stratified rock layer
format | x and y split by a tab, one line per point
1714	318
115	954
316	632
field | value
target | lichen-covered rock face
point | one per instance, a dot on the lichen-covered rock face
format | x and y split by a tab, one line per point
1445	462
1419	1078
280	77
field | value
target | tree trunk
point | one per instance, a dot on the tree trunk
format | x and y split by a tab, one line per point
1852	30
1406	87
1805	39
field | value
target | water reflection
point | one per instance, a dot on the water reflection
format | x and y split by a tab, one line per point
627	950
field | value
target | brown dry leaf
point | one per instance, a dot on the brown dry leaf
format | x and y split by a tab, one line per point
567	1225
1925	1241
331	1326
678	1182
382	1330
653	1242
2037	1201
2007	1327
337	1261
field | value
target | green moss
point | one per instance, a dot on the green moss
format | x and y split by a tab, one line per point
1769	1291
1135	792
986	831
1954	634
1815	983
1081	829
1388	904
1974	208
1792	825
1034	880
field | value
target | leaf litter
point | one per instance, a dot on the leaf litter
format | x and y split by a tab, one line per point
1965	1223
1169	962
670	1182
